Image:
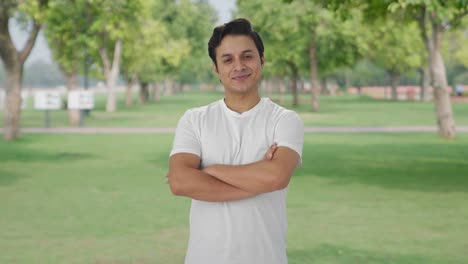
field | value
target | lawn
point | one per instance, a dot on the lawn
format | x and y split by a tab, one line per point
359	198
346	110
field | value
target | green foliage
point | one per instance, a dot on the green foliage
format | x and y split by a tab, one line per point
284	42
288	30
396	47
36	10
78	28
170	39
455	49
367	73
192	22
455	52
67	33
445	13
341	43
145	46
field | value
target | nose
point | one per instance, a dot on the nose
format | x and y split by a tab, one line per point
239	64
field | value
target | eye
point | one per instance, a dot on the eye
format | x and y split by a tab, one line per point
248	56
228	60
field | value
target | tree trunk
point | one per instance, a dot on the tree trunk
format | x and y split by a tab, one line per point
348	81
72	84
315	87
177	87
394	82
300	85
12	110
269	85
156	92
443	105
129	91
13	62
324	86
111	73
168	86
276	87
144	92
293	82
282	90
425	82
425	70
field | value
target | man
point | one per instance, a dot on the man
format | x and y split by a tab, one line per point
234	158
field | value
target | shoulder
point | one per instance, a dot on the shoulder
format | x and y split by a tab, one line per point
280	113
212	107
200	112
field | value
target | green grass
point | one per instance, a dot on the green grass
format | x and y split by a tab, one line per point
359	198
346	110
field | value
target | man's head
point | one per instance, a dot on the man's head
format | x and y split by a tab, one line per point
240	26
237	54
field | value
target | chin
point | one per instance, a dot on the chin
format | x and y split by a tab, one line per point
242	91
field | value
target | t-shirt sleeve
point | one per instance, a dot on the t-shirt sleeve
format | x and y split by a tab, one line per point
290	132
186	139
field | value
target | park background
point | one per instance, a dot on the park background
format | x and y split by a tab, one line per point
382	181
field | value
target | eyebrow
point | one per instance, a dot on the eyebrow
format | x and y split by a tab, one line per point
229	54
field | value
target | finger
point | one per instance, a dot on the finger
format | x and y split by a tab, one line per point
269	154
271	150
274	147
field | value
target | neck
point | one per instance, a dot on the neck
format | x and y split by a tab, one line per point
241	103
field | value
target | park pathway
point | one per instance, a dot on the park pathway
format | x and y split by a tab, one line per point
165	130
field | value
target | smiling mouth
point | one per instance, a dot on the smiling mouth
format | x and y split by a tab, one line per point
241	78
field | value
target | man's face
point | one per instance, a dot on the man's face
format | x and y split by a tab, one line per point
239	64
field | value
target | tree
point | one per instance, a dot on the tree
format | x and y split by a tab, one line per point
66	30
442	15
110	22
188	22
455	52
306	31
396	48
285	44
144	51
13	59
193	22
434	17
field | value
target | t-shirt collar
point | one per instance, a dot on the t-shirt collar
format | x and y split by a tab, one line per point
247	113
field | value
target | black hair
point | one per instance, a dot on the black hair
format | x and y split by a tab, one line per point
239	26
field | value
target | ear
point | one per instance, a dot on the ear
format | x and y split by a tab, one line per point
215	68
262	61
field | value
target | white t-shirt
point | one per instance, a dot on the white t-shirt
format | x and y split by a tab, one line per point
248	231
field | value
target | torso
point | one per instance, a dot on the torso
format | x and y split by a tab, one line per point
247	231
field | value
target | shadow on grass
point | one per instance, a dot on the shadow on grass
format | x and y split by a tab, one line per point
33	155
13	153
326	253
8	177
420	167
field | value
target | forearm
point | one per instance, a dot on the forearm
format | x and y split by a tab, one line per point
258	177
199	185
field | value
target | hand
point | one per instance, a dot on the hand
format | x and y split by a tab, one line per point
270	152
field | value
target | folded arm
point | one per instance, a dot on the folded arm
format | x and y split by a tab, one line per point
186	179
262	176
